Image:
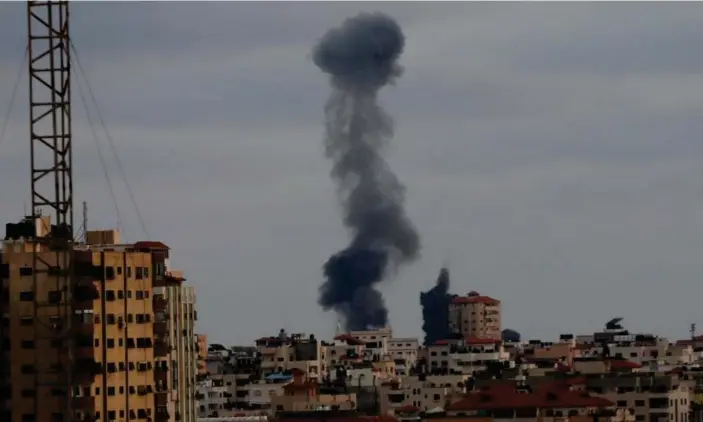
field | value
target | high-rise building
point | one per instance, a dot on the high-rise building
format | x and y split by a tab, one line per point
180	316
116	340
475	316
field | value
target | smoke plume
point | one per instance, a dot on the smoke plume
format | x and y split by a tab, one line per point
435	309
361	57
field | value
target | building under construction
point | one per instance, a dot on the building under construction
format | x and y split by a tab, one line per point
91	330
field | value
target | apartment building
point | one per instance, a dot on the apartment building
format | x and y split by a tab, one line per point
465	356
563	351
549	401
115	344
475	316
212	397
201	340
305	394
178	321
342	350
653	397
422	392
404	352
376	341
287	352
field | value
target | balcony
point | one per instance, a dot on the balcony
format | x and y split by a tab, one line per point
161	374
84	352
160	303
85	403
161	346
84	294
160	328
162	414
86	370
161	398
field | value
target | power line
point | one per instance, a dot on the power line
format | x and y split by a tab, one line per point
111	142
13	94
103	164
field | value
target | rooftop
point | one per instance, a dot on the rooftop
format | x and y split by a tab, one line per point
474	297
509	396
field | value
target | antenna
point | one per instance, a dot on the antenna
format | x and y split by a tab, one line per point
85	221
692	330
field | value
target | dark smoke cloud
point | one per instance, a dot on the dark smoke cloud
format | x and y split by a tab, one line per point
361	57
435	309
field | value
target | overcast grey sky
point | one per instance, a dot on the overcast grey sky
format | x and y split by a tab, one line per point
552	154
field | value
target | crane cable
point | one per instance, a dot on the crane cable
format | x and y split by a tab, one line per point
13	95
111	142
103	164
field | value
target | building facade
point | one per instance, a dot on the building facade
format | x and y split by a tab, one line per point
475	316
119	353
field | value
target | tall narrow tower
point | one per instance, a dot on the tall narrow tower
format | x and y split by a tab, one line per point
52	206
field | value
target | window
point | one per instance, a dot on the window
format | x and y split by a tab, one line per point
111	343
27	344
139	273
4	270
27	297
28	393
26	320
26	271
111	392
27	369
129	271
54	297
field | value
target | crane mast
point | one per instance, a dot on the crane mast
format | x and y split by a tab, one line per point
51	196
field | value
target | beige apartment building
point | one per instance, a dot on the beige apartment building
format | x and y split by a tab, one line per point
305	394
423	393
404	353
297	351
113	337
179	317
201	340
376	341
475	316
653	397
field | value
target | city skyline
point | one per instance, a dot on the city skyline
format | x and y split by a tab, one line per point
549	151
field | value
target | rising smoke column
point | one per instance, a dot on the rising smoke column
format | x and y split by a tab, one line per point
435	309
361	57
